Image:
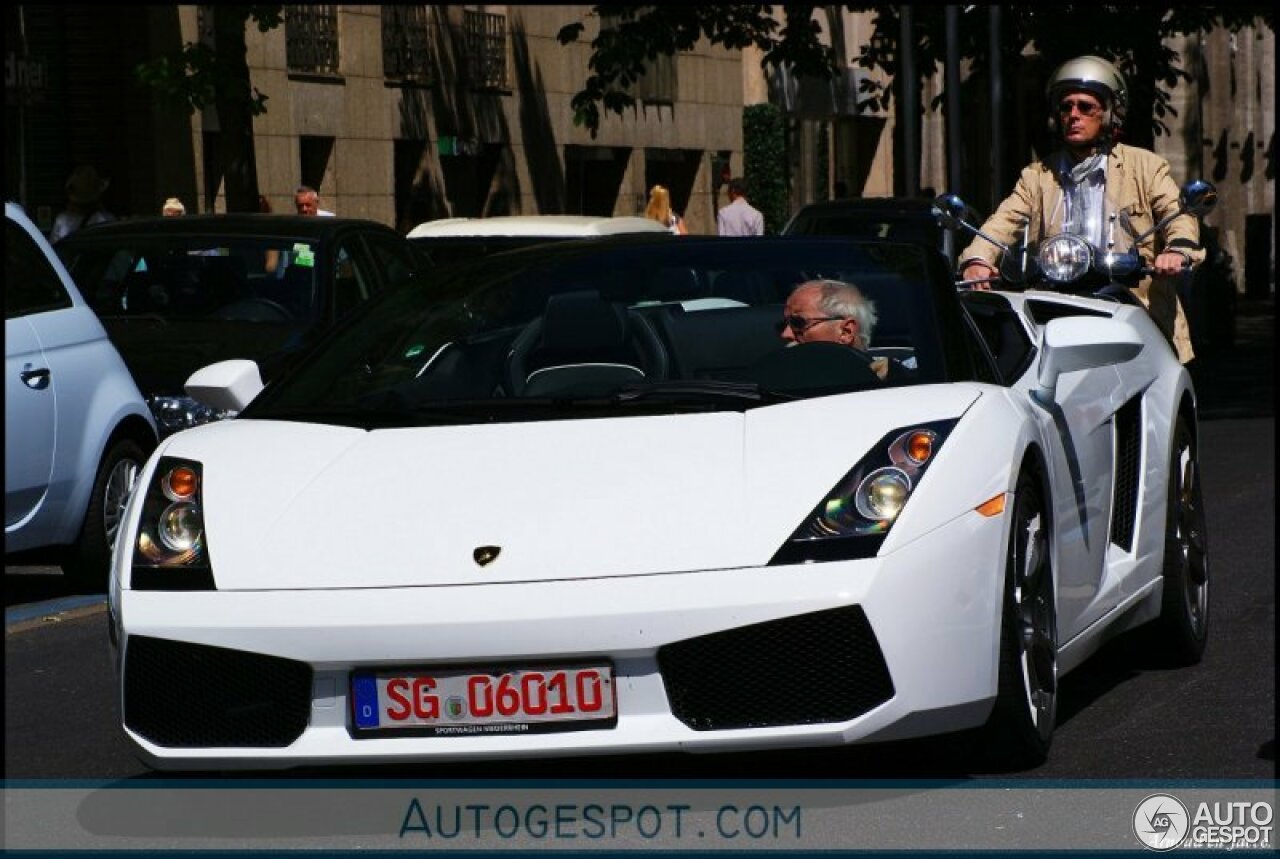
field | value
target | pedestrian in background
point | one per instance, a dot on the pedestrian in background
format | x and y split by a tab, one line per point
173	207
659	209
84	203
307	201
739	218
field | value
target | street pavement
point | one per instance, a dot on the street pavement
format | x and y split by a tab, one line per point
1238	380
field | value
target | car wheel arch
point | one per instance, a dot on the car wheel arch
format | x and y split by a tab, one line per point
126	425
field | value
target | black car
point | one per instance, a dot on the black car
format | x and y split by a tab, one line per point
178	293
899	219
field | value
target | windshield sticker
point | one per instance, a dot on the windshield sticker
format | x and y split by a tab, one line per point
303	255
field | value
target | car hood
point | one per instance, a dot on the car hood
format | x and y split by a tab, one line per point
311	506
162	353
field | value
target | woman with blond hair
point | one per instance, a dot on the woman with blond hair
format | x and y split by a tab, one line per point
659	209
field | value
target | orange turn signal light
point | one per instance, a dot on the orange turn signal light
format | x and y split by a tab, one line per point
920	446
992	507
182	483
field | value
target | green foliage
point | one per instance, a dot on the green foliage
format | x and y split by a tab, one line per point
197	76
1130	34
764	155
638	34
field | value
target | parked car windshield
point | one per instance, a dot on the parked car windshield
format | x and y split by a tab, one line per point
606	325
252	279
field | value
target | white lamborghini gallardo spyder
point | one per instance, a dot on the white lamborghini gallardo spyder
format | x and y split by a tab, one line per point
586	499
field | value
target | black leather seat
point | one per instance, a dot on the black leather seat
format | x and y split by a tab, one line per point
584	346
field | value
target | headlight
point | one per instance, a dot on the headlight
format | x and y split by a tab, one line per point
1065	258
171	549
854	518
179	413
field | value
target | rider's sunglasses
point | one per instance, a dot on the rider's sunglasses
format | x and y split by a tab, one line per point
801	324
1085	108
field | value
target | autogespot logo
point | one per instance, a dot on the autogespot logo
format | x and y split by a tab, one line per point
1160	821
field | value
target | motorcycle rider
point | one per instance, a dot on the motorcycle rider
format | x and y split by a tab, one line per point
1091	178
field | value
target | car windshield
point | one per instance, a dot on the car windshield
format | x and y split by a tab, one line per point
444	250
251	279
587	328
894	227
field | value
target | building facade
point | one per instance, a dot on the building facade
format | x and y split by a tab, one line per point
408	113
396	113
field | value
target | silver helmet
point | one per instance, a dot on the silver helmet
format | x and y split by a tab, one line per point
1094	75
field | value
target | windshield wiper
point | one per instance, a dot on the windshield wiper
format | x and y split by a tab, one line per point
366	417
130	317
694	389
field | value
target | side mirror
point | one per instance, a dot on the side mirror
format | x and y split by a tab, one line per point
1198	197
949	210
1082	343
226	385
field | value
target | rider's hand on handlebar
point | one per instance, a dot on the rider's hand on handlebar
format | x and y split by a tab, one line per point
979	275
1170	263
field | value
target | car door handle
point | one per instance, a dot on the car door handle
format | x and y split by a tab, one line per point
36	379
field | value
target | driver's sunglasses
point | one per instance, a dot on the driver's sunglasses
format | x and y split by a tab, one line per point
801	324
1085	108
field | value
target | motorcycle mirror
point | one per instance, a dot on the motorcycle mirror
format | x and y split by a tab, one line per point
1198	197
949	209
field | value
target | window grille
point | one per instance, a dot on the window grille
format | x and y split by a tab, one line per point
404	43
311	39
204	26
486	49
658	83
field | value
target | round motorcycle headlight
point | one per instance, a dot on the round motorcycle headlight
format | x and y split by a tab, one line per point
181	527
1065	258
883	493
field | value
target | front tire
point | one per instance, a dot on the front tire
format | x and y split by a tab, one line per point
87	561
1020	729
1183	627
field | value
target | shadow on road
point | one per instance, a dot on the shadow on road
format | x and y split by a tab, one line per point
1238	380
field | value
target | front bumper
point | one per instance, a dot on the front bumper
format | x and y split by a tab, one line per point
931	610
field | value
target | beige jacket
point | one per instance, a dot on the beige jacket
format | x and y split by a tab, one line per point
1139	184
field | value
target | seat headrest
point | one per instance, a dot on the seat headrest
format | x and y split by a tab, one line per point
582	322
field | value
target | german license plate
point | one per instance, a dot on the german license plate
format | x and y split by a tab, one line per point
469	702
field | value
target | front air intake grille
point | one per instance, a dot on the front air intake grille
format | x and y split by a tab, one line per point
820	667
194	696
1124	502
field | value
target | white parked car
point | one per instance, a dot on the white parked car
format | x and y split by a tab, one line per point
453	239
584	500
76	429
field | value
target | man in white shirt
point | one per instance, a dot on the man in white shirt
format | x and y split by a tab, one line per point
307	201
84	203
739	218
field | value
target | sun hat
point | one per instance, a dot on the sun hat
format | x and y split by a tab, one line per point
84	186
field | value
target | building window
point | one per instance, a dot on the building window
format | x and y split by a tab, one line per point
204	26
314	156
311	37
658	83
404	43
486	49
